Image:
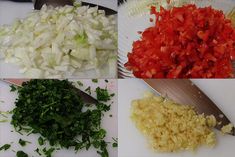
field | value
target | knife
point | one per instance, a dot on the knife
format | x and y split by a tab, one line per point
86	97
39	3
184	91
108	11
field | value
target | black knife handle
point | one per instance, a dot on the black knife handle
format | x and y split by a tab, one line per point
108	11
21	0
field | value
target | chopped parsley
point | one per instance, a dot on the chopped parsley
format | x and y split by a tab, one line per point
115	143
95	80
48	152
21	154
103	94
40	141
88	90
13	88
79	83
53	109
23	143
5	147
38	151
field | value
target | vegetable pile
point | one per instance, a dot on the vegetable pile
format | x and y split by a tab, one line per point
62	41
172	127
185	42
54	109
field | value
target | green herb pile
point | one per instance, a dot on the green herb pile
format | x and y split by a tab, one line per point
53	109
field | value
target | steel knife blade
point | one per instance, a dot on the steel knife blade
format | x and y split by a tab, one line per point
39	3
86	97
108	11
184	91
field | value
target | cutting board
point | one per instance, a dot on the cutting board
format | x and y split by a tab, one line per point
10	11
6	136
133	144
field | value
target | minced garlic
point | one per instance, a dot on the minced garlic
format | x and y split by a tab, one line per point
170	126
227	129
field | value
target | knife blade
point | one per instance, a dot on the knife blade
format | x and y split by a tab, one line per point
21	0
184	91
108	11
86	97
39	3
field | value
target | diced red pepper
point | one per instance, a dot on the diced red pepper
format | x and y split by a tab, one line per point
186	42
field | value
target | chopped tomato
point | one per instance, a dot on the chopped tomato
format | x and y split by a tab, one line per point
186	42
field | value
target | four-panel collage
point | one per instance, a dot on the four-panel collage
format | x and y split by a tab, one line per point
117	78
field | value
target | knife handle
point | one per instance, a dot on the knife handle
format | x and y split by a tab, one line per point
21	0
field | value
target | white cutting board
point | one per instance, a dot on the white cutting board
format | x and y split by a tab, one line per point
10	11
133	144
6	136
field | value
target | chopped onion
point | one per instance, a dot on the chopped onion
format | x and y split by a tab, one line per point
61	41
